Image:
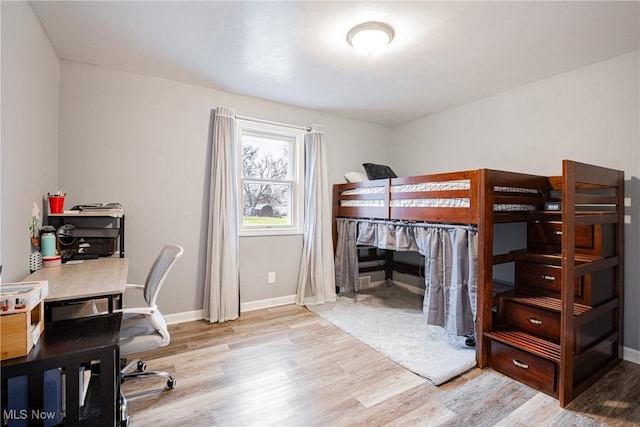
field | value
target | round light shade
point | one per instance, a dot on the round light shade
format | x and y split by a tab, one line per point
370	38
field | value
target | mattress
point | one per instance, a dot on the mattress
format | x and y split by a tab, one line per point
432	202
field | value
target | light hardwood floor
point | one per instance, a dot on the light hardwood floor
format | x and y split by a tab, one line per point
286	366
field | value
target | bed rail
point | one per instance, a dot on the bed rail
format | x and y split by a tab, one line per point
374	197
446	197
453	197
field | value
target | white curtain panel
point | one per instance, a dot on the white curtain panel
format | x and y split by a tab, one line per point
222	277
316	280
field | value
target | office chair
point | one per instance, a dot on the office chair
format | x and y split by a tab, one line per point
144	328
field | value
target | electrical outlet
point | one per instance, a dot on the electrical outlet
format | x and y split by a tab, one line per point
272	277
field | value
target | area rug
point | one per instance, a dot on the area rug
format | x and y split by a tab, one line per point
389	319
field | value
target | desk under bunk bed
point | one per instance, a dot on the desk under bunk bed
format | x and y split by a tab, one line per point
474	201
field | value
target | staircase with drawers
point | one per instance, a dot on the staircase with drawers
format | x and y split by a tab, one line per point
560	329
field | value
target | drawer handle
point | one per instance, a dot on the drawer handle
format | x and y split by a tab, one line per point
534	321
519	364
557	232
548	277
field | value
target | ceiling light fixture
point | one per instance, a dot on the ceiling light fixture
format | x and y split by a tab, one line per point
370	38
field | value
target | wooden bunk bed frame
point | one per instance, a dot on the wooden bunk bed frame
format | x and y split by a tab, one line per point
482	195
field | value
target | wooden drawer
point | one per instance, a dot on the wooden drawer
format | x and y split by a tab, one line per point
550	233
532	319
543	276
546	236
525	367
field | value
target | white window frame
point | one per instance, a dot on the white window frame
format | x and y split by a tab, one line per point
296	208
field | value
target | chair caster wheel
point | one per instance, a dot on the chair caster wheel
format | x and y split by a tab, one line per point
171	383
124	414
141	366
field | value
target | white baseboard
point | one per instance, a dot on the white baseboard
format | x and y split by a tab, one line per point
412	289
267	303
188	316
631	355
185	316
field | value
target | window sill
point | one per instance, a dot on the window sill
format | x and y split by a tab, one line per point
275	232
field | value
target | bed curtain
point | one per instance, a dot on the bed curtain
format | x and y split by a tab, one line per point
346	258
451	259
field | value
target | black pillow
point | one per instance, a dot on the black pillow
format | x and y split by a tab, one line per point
378	171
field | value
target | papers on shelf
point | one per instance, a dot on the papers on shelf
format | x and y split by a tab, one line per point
99	207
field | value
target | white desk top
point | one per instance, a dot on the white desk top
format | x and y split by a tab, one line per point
91	278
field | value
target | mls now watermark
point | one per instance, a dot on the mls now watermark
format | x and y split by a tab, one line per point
24	414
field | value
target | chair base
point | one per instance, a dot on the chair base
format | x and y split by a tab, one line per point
171	382
140	373
124	411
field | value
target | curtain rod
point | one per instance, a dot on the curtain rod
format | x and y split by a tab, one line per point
269	122
413	223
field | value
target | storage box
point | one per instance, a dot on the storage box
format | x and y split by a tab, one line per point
22	297
21	331
22	319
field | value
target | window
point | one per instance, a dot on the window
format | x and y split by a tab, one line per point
270	179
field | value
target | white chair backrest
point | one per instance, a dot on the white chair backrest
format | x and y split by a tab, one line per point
159	271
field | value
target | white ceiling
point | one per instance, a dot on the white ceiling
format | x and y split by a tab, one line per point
444	53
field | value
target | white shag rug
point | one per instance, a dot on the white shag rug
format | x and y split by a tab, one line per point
389	319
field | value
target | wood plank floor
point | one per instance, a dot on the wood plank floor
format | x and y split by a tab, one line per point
286	366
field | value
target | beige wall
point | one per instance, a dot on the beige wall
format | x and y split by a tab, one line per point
142	141
590	115
29	149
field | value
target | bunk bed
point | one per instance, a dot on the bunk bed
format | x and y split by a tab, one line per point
479	199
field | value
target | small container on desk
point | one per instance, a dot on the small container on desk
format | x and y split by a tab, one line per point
22	313
48	241
56	203
52	261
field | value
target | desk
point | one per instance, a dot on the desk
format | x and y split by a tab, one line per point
69	345
92	279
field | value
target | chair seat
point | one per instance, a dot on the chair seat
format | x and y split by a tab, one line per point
137	334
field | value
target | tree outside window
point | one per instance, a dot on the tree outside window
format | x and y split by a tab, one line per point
270	179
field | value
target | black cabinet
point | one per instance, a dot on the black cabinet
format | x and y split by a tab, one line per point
68	347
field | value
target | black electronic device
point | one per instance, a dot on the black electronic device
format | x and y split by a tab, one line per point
81	255
68	255
553	206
